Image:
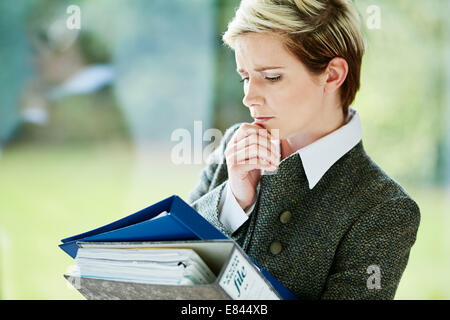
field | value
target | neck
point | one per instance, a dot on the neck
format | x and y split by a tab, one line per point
323	125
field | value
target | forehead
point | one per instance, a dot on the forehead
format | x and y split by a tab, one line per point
256	50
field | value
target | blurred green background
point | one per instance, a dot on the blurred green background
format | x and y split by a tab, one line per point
86	117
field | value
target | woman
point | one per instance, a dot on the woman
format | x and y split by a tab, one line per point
328	223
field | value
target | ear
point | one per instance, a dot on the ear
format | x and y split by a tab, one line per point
336	74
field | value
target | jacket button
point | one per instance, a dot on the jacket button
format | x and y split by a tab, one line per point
285	217
275	247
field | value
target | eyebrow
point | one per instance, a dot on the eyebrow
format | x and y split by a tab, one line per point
261	69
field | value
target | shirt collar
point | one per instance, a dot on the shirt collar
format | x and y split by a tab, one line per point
320	155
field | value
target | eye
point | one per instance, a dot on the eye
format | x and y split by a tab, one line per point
273	79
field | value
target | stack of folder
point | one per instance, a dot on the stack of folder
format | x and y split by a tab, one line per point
218	267
169	266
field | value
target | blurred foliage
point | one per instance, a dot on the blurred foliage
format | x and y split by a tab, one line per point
53	186
164	61
14	61
401	95
228	91
81	118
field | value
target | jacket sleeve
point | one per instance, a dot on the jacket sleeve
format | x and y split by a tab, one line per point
205	196
372	256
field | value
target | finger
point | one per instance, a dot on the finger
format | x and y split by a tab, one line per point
264	147
272	135
247	129
252	152
251	146
254	163
252	131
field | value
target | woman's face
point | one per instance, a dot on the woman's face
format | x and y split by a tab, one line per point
277	84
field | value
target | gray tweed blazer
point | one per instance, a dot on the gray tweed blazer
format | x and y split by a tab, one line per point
347	238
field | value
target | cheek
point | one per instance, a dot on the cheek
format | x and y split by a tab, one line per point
289	101
294	106
299	97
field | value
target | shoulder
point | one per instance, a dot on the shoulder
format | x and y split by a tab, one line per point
387	196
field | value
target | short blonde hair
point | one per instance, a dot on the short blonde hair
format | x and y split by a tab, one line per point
316	31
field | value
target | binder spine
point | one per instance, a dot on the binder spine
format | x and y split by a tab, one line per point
241	281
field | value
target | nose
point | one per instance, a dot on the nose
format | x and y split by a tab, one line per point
253	94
